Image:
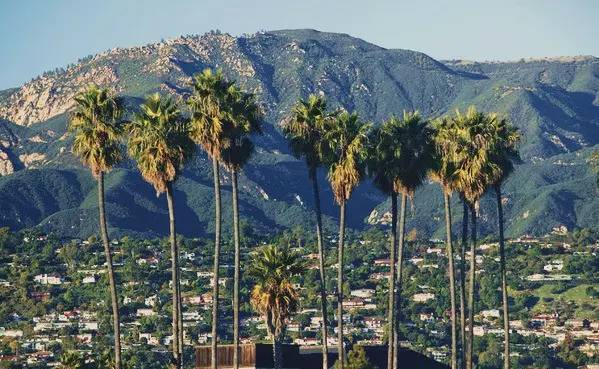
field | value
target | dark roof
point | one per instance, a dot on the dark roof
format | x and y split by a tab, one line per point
260	355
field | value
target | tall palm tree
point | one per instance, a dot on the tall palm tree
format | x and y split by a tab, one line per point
159	141
304	129
246	117
503	154
347	136
446	140
462	281
274	295
400	159
474	175
96	125
210	121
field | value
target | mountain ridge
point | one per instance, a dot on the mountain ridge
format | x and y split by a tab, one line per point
555	104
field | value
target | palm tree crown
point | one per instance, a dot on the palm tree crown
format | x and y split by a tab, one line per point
96	124
210	115
401	154
305	127
246	117
159	141
347	137
274	295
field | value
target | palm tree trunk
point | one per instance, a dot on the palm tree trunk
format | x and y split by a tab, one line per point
471	284
341	353
463	283
236	272
393	263
110	270
321	257
215	270
502	262
277	352
451	273
400	254
174	274
180	307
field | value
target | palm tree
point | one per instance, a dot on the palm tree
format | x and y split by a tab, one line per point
96	125
473	175
401	156
446	140
304	129
274	295
159	141
246	118
209	124
347	136
462	281
503	154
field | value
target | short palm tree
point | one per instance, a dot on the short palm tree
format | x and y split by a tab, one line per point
274	296
347	136
96	125
246	117
209	124
401	155
446	139
503	154
158	139
304	129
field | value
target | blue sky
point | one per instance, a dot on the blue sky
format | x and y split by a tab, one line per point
38	35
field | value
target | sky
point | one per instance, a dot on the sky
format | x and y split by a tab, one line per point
40	35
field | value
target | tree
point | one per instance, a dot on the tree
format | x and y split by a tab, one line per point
473	173
96	125
446	140
274	296
594	161
401	154
347	136
71	360
210	122
246	117
304	129
159	141
502	155
357	359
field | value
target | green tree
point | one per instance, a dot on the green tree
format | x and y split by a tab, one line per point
210	121
347	136
96	125
246	117
502	154
594	161
401	155
446	140
159	141
273	296
71	360
474	175
357	359
305	129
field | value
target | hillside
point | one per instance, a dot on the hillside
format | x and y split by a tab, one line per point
555	102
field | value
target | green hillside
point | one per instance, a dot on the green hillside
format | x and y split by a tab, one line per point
555	102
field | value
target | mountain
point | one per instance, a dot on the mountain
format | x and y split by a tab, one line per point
554	101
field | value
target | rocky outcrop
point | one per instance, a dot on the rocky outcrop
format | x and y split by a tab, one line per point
6	166
48	96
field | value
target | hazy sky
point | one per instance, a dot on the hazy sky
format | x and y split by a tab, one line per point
38	35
